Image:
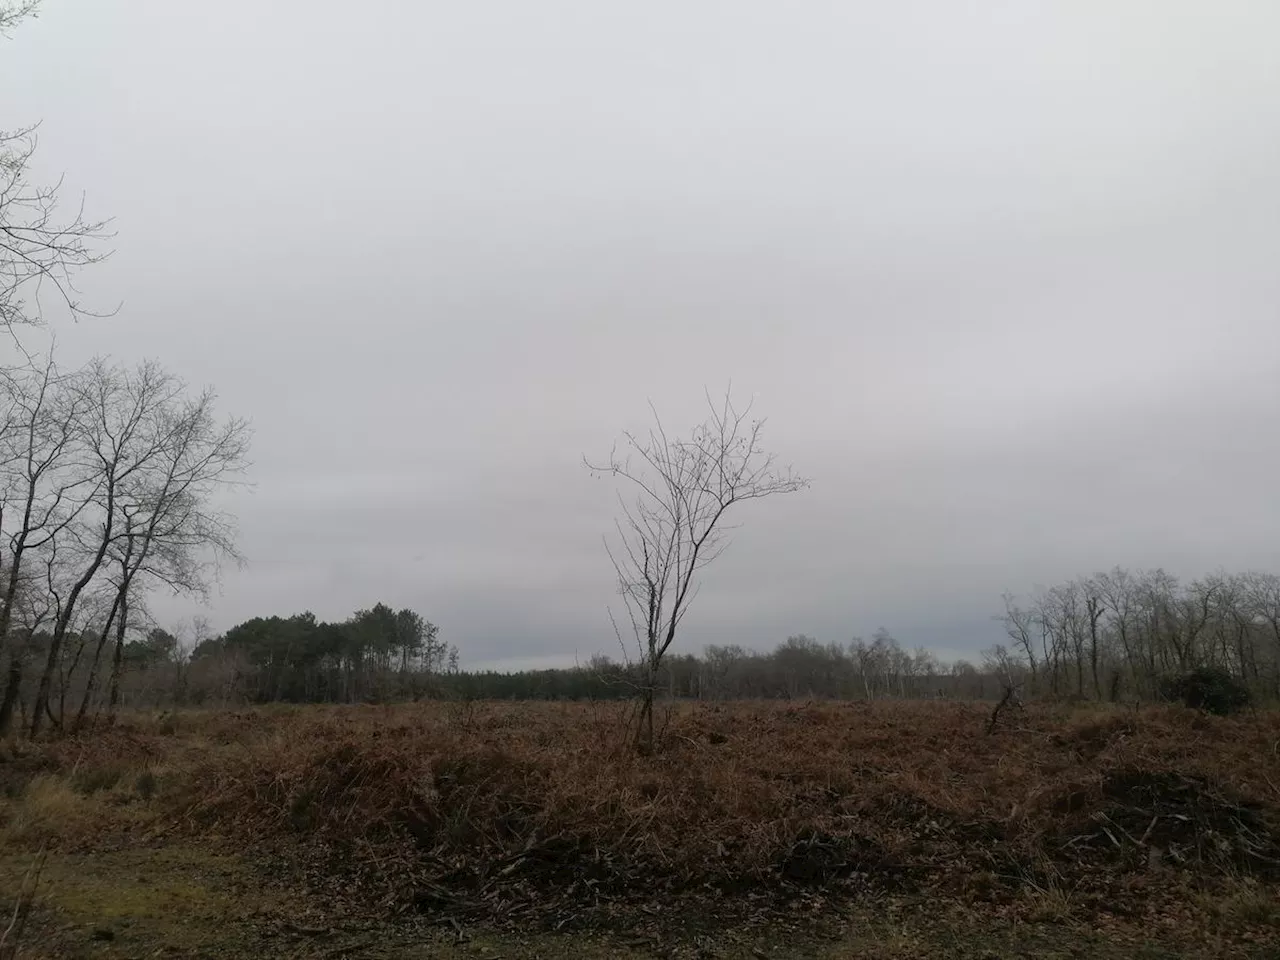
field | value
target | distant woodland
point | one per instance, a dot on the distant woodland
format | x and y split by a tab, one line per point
1111	637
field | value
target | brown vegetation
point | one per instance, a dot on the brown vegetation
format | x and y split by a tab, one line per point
540	812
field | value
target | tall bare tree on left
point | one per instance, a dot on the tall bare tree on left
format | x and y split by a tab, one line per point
109	474
109	480
41	495
41	247
169	526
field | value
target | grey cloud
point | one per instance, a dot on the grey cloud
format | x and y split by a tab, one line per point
1001	277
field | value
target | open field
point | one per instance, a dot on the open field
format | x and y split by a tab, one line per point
891	829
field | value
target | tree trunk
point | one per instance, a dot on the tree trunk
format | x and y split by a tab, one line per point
117	659
92	683
12	689
644	731
1095	613
64	619
7	604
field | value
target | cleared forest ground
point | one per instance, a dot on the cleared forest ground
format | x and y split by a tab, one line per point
758	829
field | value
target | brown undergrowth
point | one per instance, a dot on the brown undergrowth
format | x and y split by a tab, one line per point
539	811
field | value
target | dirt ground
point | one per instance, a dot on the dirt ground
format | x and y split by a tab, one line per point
185	902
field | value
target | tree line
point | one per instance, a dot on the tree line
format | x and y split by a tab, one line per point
376	654
799	667
382	655
1118	636
1122	634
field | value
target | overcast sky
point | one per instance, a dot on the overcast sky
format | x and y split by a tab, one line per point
1004	277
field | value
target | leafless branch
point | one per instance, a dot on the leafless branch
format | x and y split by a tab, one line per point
673	525
39	249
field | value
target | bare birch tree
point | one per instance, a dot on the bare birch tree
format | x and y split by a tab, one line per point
41	491
673	524
169	530
121	439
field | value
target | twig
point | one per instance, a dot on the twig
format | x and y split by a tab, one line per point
1273	787
1124	831
1151	826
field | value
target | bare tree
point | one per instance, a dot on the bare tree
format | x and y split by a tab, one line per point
1143	628
30	612
168	525
674	526
1006	666
122	435
1117	590
91	613
865	659
30	449
1020	625
1263	590
1095	610
41	492
720	664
